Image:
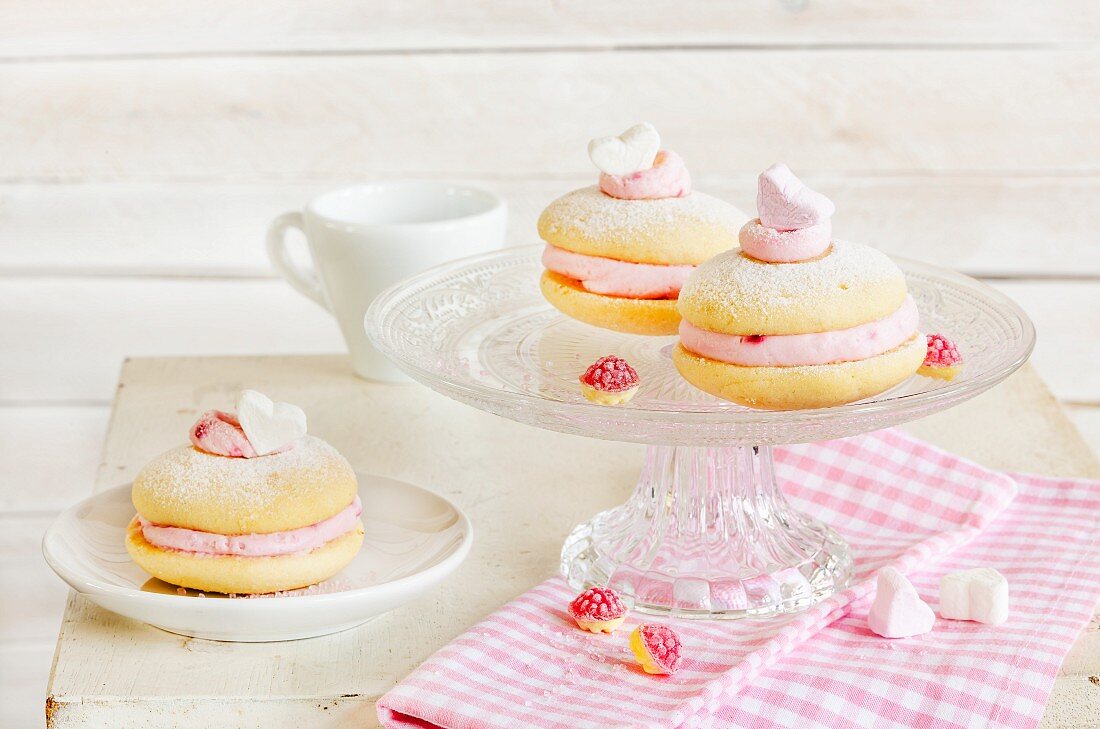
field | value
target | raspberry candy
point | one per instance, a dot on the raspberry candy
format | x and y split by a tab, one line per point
609	381
943	360
598	609
657	648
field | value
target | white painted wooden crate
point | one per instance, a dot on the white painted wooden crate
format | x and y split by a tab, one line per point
112	671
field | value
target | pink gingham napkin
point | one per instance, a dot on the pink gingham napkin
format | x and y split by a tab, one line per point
962	674
898	501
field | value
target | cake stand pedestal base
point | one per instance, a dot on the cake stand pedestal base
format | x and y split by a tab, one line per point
708	533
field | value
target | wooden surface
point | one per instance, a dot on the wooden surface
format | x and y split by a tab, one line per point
109	670
59	29
985	225
145	146
945	111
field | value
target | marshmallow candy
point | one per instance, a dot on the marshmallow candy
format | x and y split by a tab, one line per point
979	594
898	611
632	151
221	434
785	203
269	425
794	223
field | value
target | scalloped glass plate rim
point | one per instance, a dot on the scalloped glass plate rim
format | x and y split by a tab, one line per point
401	291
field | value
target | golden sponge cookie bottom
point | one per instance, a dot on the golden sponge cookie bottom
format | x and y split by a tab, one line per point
798	388
243	575
656	317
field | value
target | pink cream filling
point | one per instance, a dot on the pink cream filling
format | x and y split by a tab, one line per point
792	350
668	177
610	277
254	545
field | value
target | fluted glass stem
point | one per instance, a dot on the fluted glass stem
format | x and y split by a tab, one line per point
708	533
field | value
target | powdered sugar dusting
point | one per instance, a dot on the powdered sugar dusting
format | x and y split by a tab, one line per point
595	215
186	475
732	281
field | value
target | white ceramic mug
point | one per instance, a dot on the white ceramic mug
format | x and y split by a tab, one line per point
365	238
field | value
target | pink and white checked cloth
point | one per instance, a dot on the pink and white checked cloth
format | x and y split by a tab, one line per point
898	501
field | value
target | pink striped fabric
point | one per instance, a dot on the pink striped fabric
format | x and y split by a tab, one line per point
898	501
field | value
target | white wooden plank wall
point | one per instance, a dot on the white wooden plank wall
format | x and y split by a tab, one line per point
144	147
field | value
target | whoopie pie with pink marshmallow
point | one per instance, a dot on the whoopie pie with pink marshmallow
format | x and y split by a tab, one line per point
795	318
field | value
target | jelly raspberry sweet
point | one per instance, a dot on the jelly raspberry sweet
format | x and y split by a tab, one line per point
610	374
598	609
609	381
942	352
942	360
657	648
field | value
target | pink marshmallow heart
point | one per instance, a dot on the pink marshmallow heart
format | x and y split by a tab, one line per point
220	434
785	203
898	611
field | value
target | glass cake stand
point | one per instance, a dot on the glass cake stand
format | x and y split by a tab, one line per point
707	532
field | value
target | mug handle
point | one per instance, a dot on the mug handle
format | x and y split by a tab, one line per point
305	281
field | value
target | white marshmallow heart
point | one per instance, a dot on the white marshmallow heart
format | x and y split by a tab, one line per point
785	203
898	611
632	151
269	425
979	594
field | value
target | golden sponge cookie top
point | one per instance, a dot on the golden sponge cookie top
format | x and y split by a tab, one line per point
674	231
189	488
848	285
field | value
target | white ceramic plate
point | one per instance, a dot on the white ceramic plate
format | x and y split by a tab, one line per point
414	539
